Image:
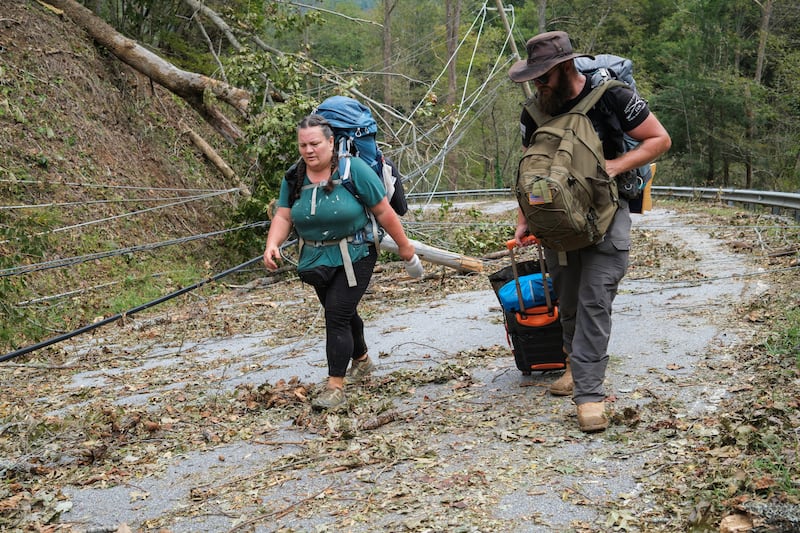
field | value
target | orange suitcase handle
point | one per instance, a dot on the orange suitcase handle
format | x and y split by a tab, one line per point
526	241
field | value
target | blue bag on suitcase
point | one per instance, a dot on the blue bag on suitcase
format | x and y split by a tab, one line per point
532	292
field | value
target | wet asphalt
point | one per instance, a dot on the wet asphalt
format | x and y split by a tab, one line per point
662	331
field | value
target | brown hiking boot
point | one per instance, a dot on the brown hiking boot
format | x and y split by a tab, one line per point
563	386
592	417
359	370
330	400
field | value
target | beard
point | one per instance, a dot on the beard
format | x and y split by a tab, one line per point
553	100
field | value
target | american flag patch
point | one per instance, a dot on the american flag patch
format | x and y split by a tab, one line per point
534	199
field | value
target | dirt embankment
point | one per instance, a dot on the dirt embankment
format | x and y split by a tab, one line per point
103	161
74	114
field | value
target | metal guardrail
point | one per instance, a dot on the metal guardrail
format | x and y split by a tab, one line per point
784	200
450	195
776	200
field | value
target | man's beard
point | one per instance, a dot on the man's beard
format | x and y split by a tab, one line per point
552	102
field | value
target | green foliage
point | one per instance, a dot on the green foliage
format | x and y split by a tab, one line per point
342	43
23	240
695	63
785	342
272	140
444	208
417	35
480	238
285	22
469	232
164	24
272	145
189	55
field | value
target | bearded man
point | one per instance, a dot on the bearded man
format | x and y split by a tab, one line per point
586	280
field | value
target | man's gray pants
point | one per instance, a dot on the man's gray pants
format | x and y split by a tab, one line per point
586	287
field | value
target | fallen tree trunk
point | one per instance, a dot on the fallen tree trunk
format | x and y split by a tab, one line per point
188	85
431	254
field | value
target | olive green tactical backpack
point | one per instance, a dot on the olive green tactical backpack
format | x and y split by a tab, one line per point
562	187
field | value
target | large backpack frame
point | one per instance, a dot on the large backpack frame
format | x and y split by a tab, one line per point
354	132
607	67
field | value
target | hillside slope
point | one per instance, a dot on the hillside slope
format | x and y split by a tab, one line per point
91	142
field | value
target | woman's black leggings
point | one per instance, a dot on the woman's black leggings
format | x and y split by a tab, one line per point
343	327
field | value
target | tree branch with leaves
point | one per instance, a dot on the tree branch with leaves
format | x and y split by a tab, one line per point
192	87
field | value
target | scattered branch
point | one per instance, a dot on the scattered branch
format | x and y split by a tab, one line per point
336	13
216	160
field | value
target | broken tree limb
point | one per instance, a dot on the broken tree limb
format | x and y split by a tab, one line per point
212	15
438	256
272	93
784	253
210	154
188	85
217	161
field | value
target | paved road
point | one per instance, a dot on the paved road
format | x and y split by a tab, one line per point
517	463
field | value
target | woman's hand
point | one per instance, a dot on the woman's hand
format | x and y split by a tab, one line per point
271	253
279	229
407	251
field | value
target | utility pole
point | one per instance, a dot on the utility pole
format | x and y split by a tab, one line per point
526	88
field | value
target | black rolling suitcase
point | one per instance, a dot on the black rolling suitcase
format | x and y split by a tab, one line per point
530	312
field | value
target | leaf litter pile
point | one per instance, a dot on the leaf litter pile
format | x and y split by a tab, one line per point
438	447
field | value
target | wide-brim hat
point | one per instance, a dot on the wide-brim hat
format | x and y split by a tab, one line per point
545	51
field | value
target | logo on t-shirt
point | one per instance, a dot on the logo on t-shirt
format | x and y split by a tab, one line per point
634	106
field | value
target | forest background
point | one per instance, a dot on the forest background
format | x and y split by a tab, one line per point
722	75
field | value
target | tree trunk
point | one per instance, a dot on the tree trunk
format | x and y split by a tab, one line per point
188	85
453	21
526	87
710	149
726	172
388	7
751	135
437	256
766	14
542	16
200	7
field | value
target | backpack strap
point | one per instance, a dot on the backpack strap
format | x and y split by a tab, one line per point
341	243
591	99
347	183
315	187
539	116
347	262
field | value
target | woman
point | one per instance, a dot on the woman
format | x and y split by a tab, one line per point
324	213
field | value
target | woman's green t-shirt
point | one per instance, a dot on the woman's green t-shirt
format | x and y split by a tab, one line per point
338	214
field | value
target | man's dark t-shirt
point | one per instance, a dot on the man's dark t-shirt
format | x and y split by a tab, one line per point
619	110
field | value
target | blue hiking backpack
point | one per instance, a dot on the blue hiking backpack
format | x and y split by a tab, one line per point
609	66
354	132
